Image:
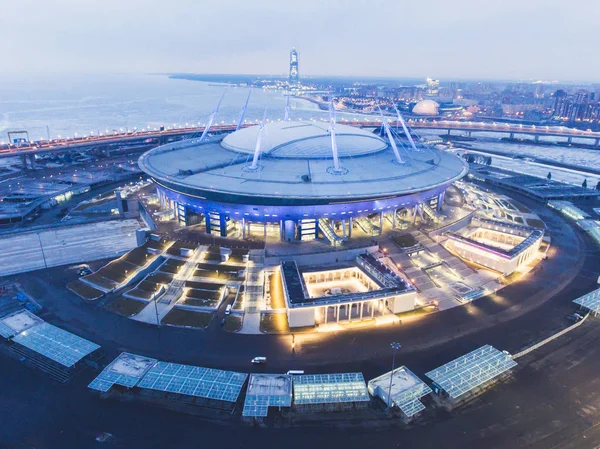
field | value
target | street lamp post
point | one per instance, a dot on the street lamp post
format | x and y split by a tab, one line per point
395	346
156	309
293	344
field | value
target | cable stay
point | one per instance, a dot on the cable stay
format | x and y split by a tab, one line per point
243	113
388	131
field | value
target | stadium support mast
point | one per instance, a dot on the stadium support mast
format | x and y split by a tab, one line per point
254	165
386	126
211	119
334	149
243	113
405	128
287	109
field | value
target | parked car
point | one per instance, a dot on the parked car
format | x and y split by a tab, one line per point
84	271
259	360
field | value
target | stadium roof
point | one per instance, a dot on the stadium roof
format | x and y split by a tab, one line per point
330	388
472	370
56	344
267	390
298	139
215	172
194	381
590	301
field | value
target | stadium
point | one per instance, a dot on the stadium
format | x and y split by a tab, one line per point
301	180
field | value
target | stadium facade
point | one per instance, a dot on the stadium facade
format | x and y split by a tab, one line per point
306	179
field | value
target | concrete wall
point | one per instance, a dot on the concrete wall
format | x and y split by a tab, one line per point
454	226
403	303
490	260
146	217
481	257
57	246
321	258
301	317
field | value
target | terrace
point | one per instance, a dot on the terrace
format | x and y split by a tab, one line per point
221	254
118	272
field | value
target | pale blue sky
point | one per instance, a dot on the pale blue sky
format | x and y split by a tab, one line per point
509	39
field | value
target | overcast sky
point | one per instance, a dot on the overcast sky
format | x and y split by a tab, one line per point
482	39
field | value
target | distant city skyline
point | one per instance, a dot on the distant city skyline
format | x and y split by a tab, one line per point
515	40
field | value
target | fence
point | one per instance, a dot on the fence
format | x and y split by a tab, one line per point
549	339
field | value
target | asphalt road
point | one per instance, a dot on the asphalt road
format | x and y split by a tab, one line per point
530	411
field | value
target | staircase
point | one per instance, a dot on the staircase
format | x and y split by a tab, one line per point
327	230
186	272
255	280
432	214
367	226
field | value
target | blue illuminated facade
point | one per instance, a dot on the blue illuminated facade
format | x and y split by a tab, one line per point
191	209
288	183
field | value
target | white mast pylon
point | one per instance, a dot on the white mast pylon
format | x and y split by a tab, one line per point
287	109
211	119
406	131
243	113
254	165
386	126
334	149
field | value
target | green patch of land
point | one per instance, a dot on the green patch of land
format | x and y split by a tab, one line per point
534	222
405	241
183	317
139	293
197	302
101	281
84	290
126	306
233	323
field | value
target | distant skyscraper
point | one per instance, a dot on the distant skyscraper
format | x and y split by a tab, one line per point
433	87
294	75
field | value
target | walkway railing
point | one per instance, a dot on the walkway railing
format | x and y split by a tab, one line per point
549	339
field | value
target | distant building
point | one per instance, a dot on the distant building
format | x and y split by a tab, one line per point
580	107
499	246
426	107
433	87
294	74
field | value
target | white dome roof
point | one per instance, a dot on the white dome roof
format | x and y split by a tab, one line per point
296	139
426	107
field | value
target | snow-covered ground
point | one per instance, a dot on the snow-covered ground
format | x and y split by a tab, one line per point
30	251
540	170
563	154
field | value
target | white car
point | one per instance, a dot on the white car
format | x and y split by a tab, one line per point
259	360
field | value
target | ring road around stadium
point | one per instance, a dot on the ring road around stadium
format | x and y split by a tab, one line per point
299	176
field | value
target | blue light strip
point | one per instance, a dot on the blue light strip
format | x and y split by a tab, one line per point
338	211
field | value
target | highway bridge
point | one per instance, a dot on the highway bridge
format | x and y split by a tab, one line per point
27	150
